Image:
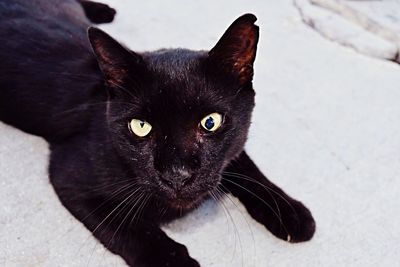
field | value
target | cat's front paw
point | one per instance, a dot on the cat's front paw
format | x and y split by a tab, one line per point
292	221
298	224
176	256
98	12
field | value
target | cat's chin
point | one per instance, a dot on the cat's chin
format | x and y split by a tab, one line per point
182	204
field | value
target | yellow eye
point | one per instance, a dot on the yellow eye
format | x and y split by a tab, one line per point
139	127
211	122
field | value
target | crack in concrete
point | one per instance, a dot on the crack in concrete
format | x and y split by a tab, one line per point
354	17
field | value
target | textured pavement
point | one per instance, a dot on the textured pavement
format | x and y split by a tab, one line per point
325	128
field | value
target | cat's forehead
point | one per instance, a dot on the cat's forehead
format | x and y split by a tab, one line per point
175	64
184	73
181	85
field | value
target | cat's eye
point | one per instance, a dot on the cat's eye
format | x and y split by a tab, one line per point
139	127
211	122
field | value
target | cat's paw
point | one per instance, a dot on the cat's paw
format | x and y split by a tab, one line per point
299	225
98	12
292	222
176	256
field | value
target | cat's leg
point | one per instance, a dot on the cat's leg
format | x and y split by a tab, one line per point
97	12
285	217
147	245
140	244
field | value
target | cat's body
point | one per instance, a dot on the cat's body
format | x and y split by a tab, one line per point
44	47
122	186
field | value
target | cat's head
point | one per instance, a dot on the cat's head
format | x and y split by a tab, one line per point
176	117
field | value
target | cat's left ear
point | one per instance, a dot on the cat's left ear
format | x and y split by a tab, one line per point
115	61
235	52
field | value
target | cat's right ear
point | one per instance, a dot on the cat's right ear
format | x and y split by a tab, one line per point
115	61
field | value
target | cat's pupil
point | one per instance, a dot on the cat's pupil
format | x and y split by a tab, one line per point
142	124
209	123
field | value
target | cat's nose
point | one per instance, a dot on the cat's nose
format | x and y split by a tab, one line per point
175	184
177	179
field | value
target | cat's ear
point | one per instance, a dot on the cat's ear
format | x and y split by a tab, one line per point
115	61
235	52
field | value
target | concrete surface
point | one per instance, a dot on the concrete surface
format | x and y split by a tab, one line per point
326	128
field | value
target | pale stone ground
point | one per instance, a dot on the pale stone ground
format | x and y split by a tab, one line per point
326	128
371	27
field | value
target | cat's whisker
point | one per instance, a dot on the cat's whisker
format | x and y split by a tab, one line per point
262	200
218	199
126	201
116	208
113	195
234	226
135	202
101	188
142	204
133	198
163	211
138	206
142	207
241	213
139	200
108	184
248	178
267	188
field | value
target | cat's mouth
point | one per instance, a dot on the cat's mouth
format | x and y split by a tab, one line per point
189	197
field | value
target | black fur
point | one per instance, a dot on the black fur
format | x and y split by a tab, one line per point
98	12
121	186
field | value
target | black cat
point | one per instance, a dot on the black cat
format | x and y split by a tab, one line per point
138	139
